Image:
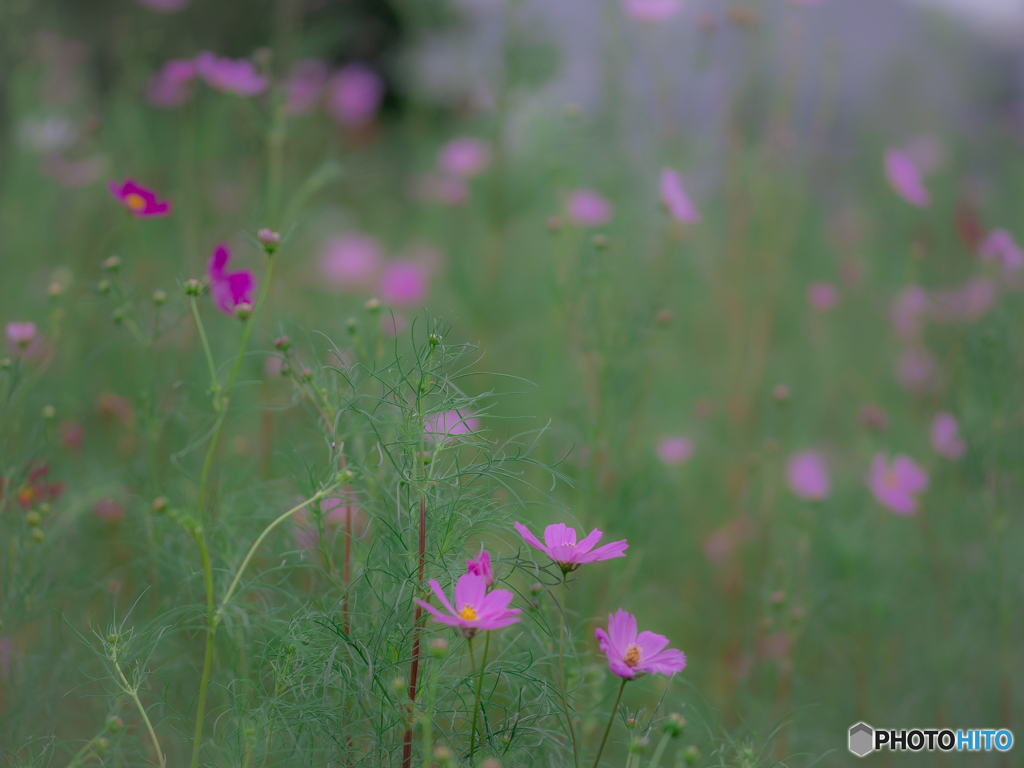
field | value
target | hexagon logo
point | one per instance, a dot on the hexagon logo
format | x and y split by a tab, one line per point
862	739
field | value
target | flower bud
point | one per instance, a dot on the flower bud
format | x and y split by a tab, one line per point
269	239
160	505
345	476
112	264
639	746
112	638
192	287
600	241
5	364
352	324
536	588
33	518
438	647
435	339
114	723
159	297
54	290
286	368
674	725
631	723
243	311
372	305
778	597
118	315
691	754
664	316
49	412
282	343
103	286
44	508
38	535
306	375
398	683
102	744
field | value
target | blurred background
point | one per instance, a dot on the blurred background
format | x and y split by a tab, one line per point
733	252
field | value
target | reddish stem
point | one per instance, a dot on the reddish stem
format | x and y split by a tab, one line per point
414	668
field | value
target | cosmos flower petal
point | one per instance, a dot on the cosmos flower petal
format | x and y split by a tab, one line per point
620	669
496	601
668	662
651	644
529	537
622	629
470	589
589	541
439	593
558	535
607	552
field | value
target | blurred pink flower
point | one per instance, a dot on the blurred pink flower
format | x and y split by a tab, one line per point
72	436
230	75
72	174
631	655
449	424
587	208
108	509
464	157
141	202
351	262
164	6
807	475
914	369
652	10
229	290
475	608
404	284
168	88
675	199
999	246
720	544
305	84
907	313
560	545
481	566
822	296
20	336
673	451
970	302
336	513
896	487
354	95
905	178
926	153
439	188
945	438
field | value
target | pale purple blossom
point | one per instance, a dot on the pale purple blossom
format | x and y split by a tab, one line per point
475	608
631	654
404	284
464	157
560	545
905	178
237	76
915	369
351	262
673	451
587	208
968	303
21	335
354	95
999	246
481	566
822	296
908	312
898	485
807	475
675	199
169	88
945	436
652	10
446	424
305	83
229	290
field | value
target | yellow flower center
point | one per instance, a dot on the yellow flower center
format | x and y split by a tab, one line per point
468	613
135	201
632	657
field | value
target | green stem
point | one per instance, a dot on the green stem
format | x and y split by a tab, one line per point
211	629
428	715
562	630
214	386
134	694
611	719
476	704
658	752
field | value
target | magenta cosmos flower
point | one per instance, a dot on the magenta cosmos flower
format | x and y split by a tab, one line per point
631	655
230	75
675	198
905	178
404	284
21	335
945	435
475	608
141	202
168	88
896	487
999	246
652	10
560	545
481	566
822	296
807	475
229	290
464	157
305	84
354	95
453	423
673	451
351	262
587	208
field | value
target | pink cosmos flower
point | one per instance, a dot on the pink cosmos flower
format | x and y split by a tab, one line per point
560	545
164	6
230	75
440	188
229	290
822	296
673	451
475	608
404	284
945	437
587	208
305	84
141	202
449	424
354	95
351	262
915	369
20	336
896	487
907	313
652	10
108	509
168	88
464	157
675	198
631	655
481	566
999	246
905	178
970	302
807	475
